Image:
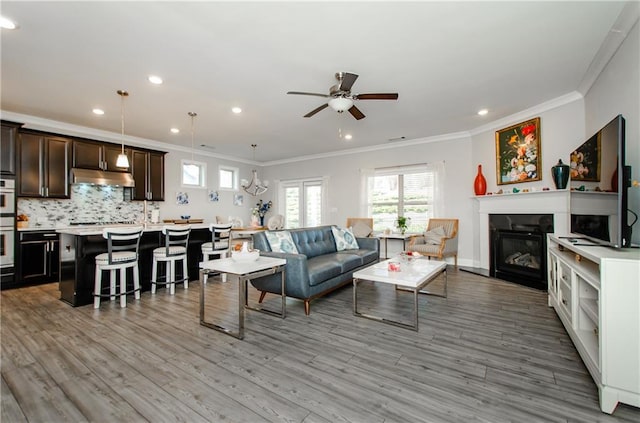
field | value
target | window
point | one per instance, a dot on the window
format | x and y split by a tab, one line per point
194	174
228	177
409	191
302	202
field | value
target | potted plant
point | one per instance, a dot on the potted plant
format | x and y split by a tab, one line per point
402	223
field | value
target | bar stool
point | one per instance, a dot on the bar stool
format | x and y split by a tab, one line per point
175	249
220	244
122	254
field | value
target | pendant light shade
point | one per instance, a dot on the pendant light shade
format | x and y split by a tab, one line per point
254	187
122	160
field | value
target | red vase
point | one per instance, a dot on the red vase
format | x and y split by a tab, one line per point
614	181
480	184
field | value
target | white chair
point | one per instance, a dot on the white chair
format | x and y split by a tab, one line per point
122	254
220	245
275	222
175	249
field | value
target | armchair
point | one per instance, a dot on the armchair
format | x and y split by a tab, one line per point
440	240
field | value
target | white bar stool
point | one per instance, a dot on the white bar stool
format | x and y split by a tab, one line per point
220	244
175	249
122	254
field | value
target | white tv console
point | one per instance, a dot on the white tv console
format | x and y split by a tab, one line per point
596	293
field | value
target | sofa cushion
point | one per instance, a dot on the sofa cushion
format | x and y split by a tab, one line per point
281	242
322	268
434	236
347	260
345	240
361	229
366	256
314	241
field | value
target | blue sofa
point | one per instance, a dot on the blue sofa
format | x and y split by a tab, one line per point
318	268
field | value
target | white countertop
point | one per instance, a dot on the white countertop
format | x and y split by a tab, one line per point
97	229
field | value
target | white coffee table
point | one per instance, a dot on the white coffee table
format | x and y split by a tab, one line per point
412	277
242	272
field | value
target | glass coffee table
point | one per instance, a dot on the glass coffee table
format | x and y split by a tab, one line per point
242	272
412	276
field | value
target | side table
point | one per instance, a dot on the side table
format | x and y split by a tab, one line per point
402	237
241	272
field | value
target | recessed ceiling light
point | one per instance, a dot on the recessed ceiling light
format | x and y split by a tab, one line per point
155	79
98	111
7	23
175	130
348	137
236	110
483	112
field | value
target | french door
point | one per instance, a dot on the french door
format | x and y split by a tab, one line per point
302	202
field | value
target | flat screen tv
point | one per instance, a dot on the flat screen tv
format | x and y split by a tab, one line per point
599	187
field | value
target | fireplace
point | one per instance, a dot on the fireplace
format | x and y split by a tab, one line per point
518	248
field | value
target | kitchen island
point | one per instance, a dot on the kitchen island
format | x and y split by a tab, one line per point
79	247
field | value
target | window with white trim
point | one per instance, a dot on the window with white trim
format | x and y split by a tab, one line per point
228	178
194	174
409	191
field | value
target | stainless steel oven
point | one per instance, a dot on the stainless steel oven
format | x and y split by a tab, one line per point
7	197
7	232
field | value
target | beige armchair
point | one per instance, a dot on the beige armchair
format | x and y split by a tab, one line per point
362	226
440	240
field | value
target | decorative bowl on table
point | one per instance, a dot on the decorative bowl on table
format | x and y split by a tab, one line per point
245	256
185	216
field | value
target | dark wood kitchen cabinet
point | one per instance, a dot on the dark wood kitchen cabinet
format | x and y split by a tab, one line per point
38	257
98	156
147	168
43	166
8	147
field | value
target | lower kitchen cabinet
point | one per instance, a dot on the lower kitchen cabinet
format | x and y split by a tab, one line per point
38	257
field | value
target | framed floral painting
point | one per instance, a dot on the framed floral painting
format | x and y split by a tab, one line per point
518	153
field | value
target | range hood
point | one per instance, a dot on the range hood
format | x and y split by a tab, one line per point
101	177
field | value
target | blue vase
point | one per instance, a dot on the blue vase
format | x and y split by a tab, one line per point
261	220
560	174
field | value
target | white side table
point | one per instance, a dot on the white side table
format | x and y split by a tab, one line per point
242	272
402	237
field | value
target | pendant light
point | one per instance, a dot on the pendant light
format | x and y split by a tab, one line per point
123	160
255	187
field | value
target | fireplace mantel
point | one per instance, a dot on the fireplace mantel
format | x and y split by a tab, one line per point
554	202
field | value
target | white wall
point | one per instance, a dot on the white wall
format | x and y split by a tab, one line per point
199	205
617	91
343	174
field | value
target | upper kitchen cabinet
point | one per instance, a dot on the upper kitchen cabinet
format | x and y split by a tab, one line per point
43	166
147	168
8	147
97	155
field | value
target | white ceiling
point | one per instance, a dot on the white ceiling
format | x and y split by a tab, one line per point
446	60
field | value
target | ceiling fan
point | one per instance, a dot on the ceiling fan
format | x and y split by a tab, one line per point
341	98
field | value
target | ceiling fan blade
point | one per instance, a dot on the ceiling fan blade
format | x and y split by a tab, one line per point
316	110
303	93
356	113
379	96
347	81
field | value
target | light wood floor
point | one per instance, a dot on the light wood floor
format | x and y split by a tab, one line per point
492	352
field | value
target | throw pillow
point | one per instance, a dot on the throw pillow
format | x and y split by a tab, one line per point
281	242
434	236
345	240
361	229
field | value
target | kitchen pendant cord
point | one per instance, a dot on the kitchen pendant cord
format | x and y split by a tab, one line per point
193	116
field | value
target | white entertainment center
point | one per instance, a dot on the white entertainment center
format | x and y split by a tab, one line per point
595	291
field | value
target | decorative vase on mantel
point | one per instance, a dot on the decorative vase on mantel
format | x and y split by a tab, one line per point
560	174
480	183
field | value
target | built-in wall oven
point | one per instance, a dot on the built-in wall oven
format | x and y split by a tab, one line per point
7	232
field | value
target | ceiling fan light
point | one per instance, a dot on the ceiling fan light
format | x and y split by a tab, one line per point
340	104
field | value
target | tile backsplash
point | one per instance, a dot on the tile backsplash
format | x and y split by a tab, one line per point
88	203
